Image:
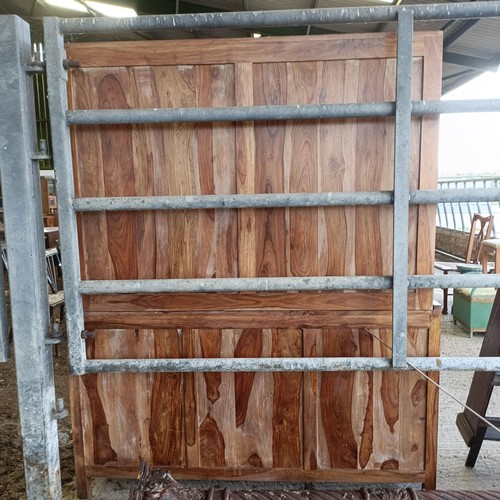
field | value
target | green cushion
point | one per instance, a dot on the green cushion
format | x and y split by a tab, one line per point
477	292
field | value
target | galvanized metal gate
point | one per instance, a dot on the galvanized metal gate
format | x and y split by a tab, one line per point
21	195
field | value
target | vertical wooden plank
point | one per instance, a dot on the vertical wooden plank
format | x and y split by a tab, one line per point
269	88
253	432
336	395
249	345
210	341
119	178
165	429
146	139
287	402
224	168
79	431
206	235
125	405
431	434
245	169
302	88
95	260
259	245
216	436
415	145
373	172
336	170
387	419
429	141
97	445
313	456
413	396
190	404
213	436
176	230
366	445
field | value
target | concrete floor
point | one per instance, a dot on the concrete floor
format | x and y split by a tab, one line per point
452	452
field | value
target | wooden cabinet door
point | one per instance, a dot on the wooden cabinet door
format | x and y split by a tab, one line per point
252	422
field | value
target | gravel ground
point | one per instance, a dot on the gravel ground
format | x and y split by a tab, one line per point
452	452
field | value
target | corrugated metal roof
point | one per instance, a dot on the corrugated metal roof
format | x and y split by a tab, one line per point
482	40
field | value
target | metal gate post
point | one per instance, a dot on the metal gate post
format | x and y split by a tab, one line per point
26	253
401	188
61	150
4	329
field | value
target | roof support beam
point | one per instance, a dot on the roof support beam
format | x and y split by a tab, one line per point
458	33
475	63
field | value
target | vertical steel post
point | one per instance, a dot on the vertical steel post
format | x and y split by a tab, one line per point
61	150
26	254
4	328
402	187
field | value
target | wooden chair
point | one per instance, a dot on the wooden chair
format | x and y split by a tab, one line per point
484	223
490	248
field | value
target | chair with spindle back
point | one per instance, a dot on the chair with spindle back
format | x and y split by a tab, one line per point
481	228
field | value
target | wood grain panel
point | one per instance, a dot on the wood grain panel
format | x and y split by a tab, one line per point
337	139
366	426
249	346
336	394
253	435
431	435
224	167
222	51
165	428
312	342
89	179
270	88
144	92
431	89
302	151
309	301
366	443
245	168
206	234
241	319
287	402
373	171
268	474
119	179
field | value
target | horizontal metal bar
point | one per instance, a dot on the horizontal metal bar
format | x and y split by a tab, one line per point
468	280
227	114
97	287
479	194
282	112
286	364
232	201
455	280
455	106
276	200
296	17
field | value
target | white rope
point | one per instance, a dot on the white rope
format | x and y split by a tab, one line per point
480	417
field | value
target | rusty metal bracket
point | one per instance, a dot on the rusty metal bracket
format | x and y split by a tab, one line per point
87	334
35	68
70	64
59	410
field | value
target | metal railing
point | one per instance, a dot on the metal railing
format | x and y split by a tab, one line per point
18	161
403	108
459	215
